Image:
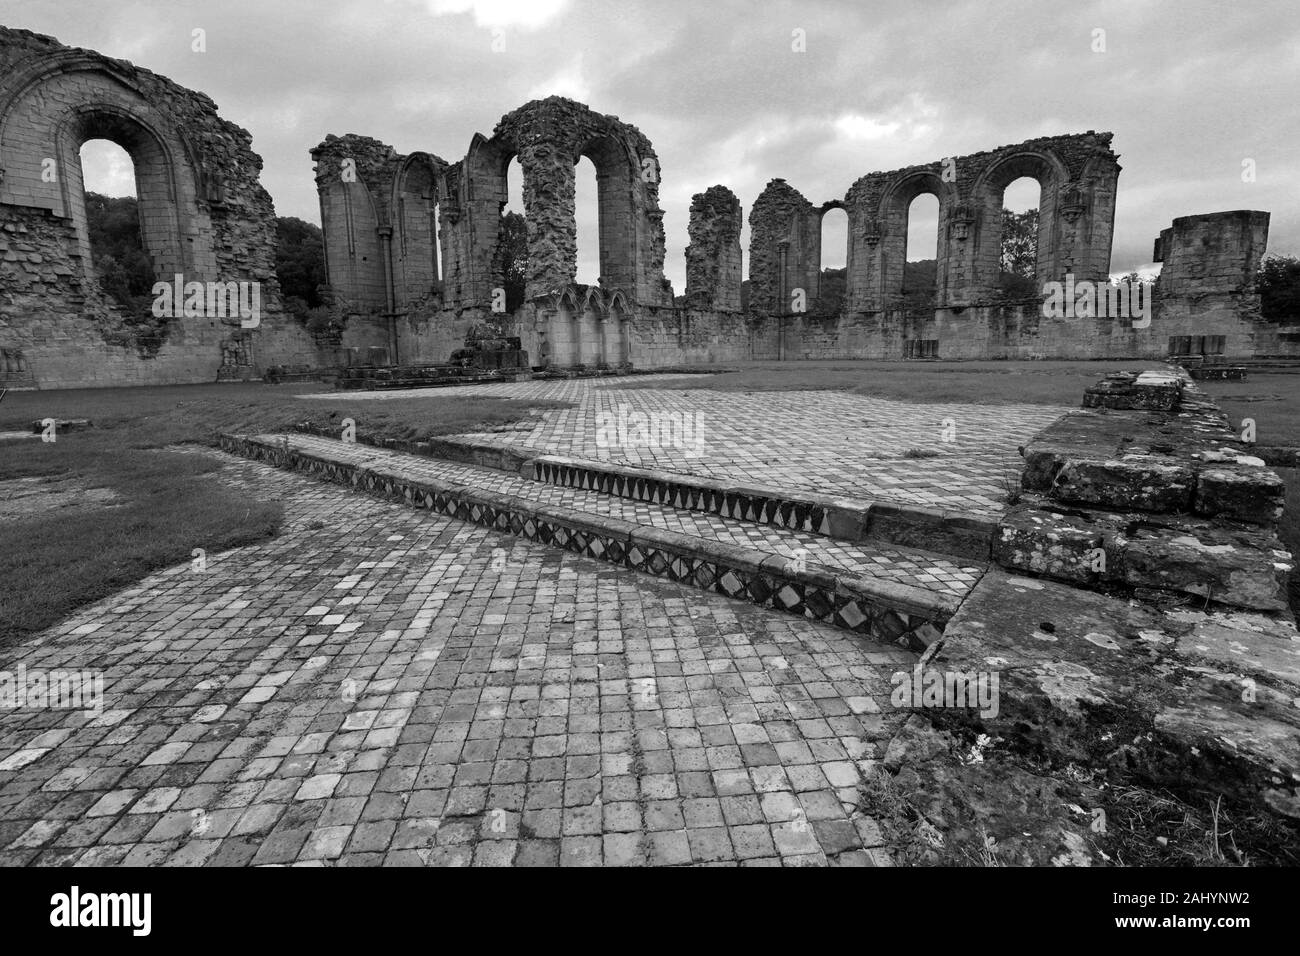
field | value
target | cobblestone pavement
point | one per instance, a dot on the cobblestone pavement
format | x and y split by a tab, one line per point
367	689
827	441
868	559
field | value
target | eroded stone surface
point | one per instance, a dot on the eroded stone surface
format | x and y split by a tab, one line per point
1182	698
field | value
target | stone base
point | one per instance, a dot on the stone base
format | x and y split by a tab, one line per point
1181	699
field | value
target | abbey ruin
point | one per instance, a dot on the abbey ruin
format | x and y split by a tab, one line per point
412	248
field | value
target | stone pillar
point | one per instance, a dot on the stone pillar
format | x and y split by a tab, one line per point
550	208
713	256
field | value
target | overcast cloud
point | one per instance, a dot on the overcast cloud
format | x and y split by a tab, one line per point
1190	89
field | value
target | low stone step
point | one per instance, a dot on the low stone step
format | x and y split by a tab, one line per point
892	594
1229	563
851	519
952	533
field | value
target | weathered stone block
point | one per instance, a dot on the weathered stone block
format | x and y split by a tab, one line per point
1242	492
1079	671
1131	483
1068	547
1241	568
1127	390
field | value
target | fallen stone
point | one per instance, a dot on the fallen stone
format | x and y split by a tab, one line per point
1236	566
62	425
1130	483
1242	492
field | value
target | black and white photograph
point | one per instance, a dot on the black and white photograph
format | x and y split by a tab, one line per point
570	434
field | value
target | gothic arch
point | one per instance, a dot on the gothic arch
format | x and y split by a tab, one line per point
893	212
1051	174
98	99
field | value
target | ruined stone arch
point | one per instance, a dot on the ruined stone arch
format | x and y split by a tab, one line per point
817	233
476	229
157	180
101	100
550	136
618	178
204	215
349	212
417	261
1051	174
892	215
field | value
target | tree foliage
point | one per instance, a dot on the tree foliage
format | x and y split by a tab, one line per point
512	258
299	263
1278	284
124	270
1018	261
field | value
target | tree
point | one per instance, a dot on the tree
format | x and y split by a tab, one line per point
299	263
512	258
1019	256
920	281
1278	284
830	297
117	250
1020	242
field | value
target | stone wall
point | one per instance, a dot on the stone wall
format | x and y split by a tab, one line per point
204	216
414	258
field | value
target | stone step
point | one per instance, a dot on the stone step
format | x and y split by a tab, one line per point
889	593
957	534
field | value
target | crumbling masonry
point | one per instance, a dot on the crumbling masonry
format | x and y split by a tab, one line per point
414	260
204	216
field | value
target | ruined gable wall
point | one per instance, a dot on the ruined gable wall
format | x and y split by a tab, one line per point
354	178
204	214
781	218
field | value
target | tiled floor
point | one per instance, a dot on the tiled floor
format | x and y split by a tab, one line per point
907	566
379	685
825	441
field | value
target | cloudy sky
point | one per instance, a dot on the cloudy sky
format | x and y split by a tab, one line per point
1191	89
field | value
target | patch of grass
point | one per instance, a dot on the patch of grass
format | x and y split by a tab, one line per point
167	505
1154	828
1271	398
55	562
980	383
167	415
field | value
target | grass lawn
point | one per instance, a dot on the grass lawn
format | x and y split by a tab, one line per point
166	504
1272	399
991	383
